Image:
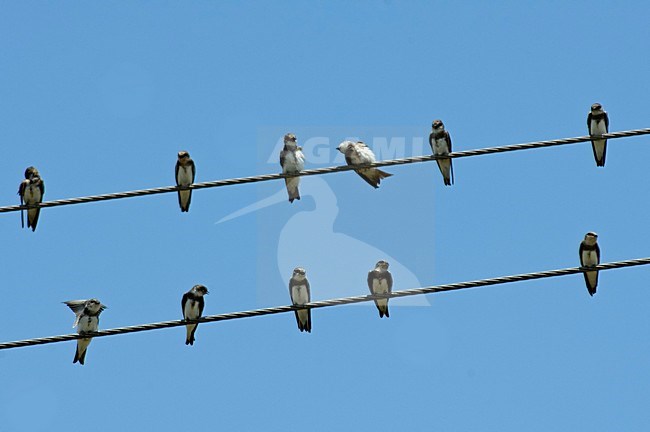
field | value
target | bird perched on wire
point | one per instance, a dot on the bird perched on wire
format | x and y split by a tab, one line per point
300	294
31	191
192	304
380	281
87	320
185	173
359	154
598	124
590	257
440	142
292	161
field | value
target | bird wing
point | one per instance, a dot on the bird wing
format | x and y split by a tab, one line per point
178	167
77	306
371	277
606	122
201	301
21	192
451	161
184	300
21	189
193	169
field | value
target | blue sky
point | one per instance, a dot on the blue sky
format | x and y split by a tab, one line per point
101	96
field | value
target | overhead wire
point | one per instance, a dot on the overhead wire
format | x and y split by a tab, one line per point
327	303
327	170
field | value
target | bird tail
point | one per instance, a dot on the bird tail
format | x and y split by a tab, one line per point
373	176
190	330
447	171
82	349
292	188
308	323
303	318
382	307
32	218
591	279
300	327
599	148
184	200
22	213
383	174
451	169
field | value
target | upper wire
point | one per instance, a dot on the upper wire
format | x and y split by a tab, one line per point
327	170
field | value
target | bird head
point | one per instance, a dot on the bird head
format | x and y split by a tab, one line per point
94	306
343	147
299	272
31	172
382	265
289	138
591	238
596	108
200	290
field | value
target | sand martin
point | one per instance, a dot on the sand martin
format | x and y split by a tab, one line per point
292	161
87	320
358	154
31	192
192	305
589	257
380	281
300	294
440	142
598	124
185	173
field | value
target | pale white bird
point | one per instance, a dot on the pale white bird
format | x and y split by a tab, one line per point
358	153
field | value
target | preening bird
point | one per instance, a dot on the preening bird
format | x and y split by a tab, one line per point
31	191
358	154
87	320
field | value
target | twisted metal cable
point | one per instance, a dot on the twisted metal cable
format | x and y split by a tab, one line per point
318	171
328	303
